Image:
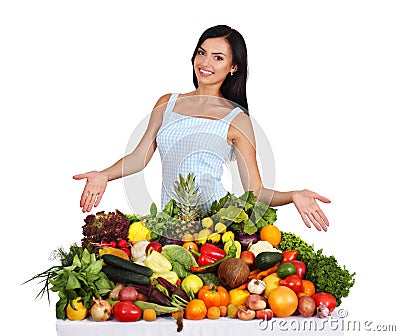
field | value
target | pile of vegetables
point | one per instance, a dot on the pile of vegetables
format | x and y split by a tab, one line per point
324	271
125	269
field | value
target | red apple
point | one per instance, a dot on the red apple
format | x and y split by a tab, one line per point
248	258
154	246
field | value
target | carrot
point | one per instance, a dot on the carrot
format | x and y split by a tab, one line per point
255	271
254	276
267	272
244	286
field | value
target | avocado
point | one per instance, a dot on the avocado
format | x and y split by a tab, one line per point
265	260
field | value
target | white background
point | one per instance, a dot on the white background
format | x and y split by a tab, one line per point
77	77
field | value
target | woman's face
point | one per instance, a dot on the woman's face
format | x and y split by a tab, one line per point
213	61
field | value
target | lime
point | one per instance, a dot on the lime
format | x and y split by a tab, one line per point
285	270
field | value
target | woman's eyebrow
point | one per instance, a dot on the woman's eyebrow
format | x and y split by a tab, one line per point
214	53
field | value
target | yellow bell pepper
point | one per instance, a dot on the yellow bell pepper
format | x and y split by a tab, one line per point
157	262
238	296
229	243
138	232
271	282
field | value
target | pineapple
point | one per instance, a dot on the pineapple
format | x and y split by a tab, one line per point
187	199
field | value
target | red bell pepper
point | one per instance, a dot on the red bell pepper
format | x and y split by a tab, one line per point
301	268
293	282
209	254
212	267
289	255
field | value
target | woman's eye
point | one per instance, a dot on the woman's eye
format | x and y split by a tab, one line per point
200	52
219	58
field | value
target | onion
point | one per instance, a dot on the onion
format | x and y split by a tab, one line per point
100	310
246	239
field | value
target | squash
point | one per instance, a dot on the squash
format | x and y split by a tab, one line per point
114	251
233	272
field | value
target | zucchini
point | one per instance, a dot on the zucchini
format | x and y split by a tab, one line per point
117	262
265	260
126	277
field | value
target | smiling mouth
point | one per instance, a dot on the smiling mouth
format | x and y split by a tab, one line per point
205	73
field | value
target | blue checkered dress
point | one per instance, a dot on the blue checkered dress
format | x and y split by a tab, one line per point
194	145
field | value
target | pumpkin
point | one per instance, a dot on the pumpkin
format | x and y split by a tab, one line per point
233	272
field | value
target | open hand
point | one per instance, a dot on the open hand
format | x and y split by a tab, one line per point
96	183
305	202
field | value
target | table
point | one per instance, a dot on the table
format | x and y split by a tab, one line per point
293	325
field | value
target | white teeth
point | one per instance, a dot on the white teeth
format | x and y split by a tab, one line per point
205	72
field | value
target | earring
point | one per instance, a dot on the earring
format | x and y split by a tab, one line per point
231	73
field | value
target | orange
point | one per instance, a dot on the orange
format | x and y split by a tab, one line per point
149	314
271	234
196	310
213	313
283	301
308	288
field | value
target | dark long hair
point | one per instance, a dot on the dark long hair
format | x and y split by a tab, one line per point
233	87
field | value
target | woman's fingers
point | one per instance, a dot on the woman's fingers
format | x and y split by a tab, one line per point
94	189
305	220
89	202
316	217
79	176
322	198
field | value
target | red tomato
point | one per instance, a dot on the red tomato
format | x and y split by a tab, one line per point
126	311
154	246
325	299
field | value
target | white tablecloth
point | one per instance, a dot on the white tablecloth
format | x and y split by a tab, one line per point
294	325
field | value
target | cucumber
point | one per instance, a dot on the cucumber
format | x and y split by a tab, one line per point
126	265
265	260
126	277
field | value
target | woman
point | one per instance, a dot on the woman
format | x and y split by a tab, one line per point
188	128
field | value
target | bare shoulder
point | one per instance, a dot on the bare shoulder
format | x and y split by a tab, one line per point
241	128
159	107
163	100
242	123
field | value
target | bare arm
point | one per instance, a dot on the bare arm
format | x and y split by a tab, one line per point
137	160
243	138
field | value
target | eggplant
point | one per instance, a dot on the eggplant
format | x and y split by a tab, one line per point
154	295
172	289
170	241
246	239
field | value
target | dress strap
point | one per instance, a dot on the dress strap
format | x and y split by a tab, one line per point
171	103
232	114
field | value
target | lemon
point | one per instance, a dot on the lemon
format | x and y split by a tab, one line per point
192	283
79	313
